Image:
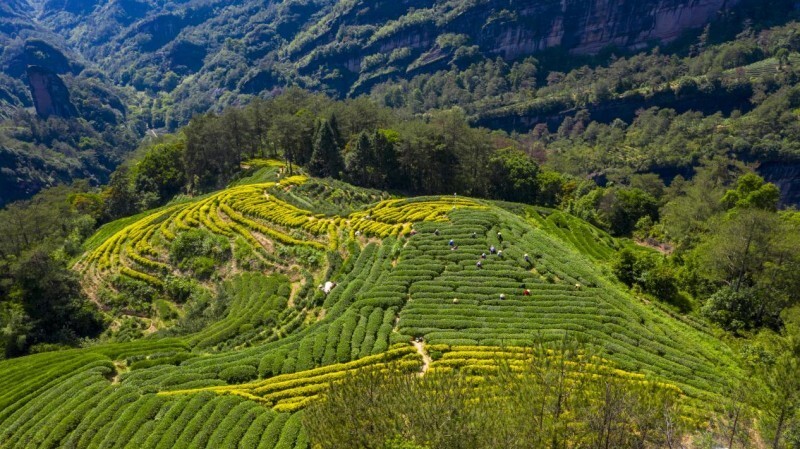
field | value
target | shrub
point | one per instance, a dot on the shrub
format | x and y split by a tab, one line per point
179	289
203	267
165	310
199	243
238	374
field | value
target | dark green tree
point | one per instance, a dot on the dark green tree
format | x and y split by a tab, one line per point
623	207
162	169
360	160
326	160
513	176
120	196
626	267
209	158
337	133
51	297
386	174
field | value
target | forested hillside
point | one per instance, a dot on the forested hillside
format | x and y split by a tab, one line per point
99	76
61	119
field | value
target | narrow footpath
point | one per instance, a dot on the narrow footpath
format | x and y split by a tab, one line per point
426	359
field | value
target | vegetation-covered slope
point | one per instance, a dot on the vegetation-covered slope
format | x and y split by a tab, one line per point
60	118
144	66
233	361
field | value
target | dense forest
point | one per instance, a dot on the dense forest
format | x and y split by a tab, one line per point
735	76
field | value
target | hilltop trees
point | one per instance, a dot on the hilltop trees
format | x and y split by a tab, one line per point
160	172
119	196
514	176
360	161
369	145
371	160
210	159
326	160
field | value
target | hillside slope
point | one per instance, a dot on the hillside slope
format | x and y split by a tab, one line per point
81	81
204	53
61	119
259	340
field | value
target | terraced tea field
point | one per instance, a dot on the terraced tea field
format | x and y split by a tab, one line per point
403	269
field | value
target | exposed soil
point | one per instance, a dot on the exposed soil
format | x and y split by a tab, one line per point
663	248
426	359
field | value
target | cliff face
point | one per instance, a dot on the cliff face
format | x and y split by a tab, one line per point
50	94
517	28
506	28
787	177
587	26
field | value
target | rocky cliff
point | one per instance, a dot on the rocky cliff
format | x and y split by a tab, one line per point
50	94
588	26
368	31
787	177
347	45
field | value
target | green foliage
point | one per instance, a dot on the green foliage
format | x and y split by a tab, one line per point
326	160
120	196
735	310
529	405
238	374
161	170
199	248
622	209
179	289
652	273
165	310
752	192
208	160
46	305
47	219
617	209
514	176
747	252
628	267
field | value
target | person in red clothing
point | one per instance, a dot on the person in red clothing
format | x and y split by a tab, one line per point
526	292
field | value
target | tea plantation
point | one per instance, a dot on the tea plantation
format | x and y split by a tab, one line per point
474	280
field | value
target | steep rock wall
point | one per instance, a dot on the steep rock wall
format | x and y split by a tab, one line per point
506	28
587	26
787	177
50	94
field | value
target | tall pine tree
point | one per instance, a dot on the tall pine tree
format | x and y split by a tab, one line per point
326	160
337	133
388	175
359	159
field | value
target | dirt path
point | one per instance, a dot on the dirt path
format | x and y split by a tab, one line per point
663	248
426	359
293	294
